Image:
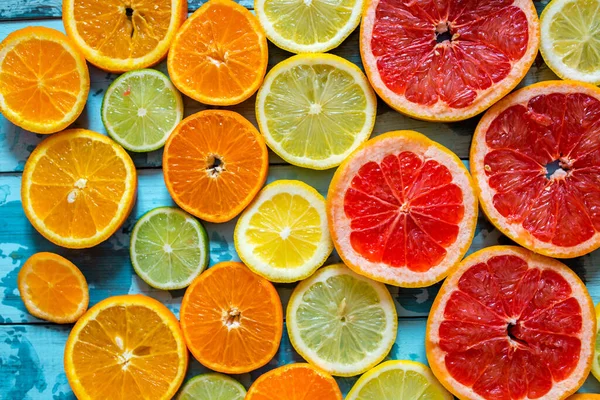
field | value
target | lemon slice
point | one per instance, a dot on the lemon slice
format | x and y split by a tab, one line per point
308	26
570	39
596	359
341	322
283	235
315	109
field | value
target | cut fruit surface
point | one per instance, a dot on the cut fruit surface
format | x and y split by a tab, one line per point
212	387
535	163
511	324
585	396
447	60
402	210
596	360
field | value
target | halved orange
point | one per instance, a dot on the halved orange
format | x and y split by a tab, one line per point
214	163
44	80
219	55
120	36
232	319
126	348
78	188
53	288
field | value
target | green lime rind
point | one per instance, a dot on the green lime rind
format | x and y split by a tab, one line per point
169	248
140	109
212	386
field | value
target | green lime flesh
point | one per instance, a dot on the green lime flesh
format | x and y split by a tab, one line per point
212	387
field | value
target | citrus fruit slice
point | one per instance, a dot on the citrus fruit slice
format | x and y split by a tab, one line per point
511	324
53	288
570	42
44	81
212	387
232	319
447	60
169	248
341	322
596	359
140	110
534	160
126	347
217	152
402	210
120	36
315	109
585	396
308	26
78	187
219	55
283	234
295	382
398	380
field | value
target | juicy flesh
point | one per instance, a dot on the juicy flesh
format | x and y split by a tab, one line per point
296	383
399	384
414	58
404	212
524	141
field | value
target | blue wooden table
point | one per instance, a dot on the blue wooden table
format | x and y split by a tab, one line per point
31	350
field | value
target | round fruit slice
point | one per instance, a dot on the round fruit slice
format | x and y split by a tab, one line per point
402	210
447	60
219	55
169	248
585	396
295	382
212	387
78	188
596	359
535	163
308	26
120	36
398	380
126	347
511	324
315	109
232	319
217	152
283	235
140	110
53	288
341	322
44	81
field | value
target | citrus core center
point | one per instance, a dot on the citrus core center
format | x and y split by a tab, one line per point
214	166
315	109
285	233
142	112
442	32
232	318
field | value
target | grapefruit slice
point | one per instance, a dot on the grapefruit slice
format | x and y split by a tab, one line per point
511	324
535	160
402	210
447	60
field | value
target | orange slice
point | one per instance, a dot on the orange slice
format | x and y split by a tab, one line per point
120	36
78	188
511	324
232	319
44	81
126	347
585	396
217	152
219	55
53	288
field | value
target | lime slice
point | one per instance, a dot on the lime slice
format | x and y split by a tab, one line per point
398	380
315	109
212	387
140	110
341	322
169	248
570	39
283	235
308	26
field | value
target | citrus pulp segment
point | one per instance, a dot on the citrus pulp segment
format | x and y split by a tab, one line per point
534	160
596	359
402	210
140	109
283	234
511	324
315	109
44	81
126	348
214	163
447	60
212	386
78	187
341	322
232	319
